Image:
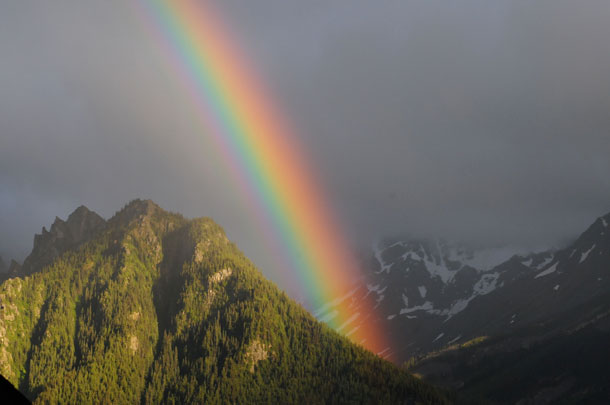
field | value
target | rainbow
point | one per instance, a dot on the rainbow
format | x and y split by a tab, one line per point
263	153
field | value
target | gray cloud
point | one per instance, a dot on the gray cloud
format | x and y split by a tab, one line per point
488	121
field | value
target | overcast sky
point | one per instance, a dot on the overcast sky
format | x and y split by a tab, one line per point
478	120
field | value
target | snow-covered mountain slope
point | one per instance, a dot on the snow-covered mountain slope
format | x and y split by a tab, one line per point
431	294
548	330
433	276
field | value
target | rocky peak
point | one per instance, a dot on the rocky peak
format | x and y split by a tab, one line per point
82	225
135	209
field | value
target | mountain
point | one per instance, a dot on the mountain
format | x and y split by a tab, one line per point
543	336
3	267
151	307
466	319
419	285
433	293
565	359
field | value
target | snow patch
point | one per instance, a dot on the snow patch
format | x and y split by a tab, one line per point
547	271
377	288
378	256
584	256
439	336
439	270
412	256
426	306
545	262
486	284
556	288
390	317
422	291
459	306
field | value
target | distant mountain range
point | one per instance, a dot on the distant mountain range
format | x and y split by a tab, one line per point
470	320
150	307
434	293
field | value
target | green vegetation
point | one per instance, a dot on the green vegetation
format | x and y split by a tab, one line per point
160	309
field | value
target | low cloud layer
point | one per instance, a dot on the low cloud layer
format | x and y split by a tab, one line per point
484	121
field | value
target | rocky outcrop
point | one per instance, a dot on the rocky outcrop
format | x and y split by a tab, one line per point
81	226
257	351
135	210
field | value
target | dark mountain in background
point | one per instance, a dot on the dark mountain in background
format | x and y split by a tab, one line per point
151	307
433	294
543	337
495	322
536	326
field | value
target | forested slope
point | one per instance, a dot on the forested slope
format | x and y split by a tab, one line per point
151	307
